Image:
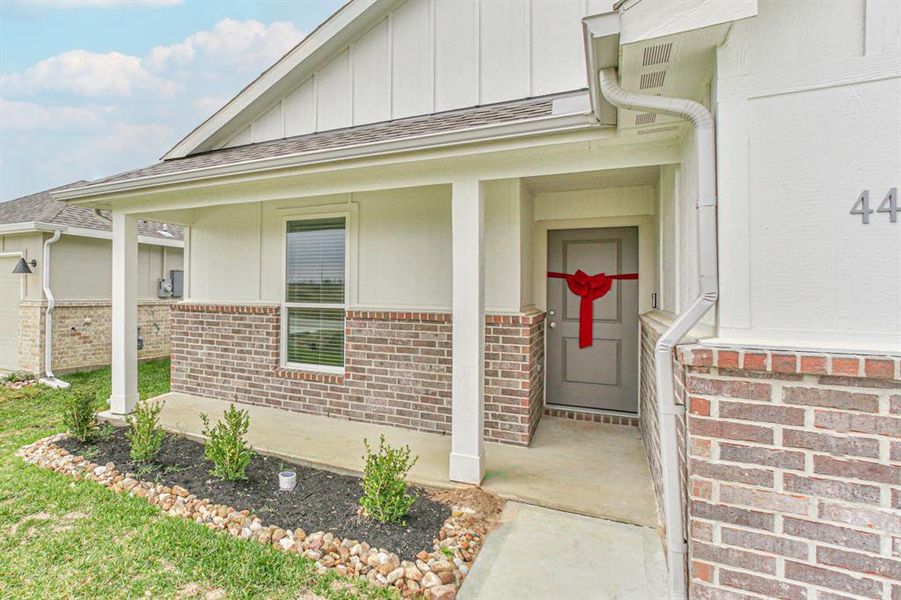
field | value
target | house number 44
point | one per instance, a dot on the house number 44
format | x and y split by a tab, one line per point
888	205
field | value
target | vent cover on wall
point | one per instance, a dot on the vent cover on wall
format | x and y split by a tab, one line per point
645	118
656	55
652	80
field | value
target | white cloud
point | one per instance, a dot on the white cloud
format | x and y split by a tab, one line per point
30	116
86	73
83	114
207	105
229	44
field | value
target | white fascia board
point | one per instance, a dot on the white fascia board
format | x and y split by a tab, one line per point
102	234
313	42
648	19
29	227
484	133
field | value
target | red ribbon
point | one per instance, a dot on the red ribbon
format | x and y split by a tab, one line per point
589	288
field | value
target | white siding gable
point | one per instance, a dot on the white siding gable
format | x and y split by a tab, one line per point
429	56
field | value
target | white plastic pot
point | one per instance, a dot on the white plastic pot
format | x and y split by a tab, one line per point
287	480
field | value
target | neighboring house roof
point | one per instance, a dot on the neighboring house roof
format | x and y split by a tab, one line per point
42	208
412	127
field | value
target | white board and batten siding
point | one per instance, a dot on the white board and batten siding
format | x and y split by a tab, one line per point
429	56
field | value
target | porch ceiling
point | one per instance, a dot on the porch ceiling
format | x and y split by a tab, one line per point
611	178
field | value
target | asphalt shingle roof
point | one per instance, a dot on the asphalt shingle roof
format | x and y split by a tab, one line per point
41	207
445	122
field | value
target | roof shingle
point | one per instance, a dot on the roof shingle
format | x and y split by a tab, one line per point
41	207
446	122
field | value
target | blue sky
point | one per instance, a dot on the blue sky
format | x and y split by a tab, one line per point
89	88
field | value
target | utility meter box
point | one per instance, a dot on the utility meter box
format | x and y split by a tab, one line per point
177	278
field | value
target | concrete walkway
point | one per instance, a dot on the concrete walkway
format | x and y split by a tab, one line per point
585	468
542	554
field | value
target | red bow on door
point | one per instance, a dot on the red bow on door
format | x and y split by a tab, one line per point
589	288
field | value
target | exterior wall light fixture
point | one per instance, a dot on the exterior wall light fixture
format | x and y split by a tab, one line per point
23	267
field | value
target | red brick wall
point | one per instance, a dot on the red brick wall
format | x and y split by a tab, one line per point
397	367
795	474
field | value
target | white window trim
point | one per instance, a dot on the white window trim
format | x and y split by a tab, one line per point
349	212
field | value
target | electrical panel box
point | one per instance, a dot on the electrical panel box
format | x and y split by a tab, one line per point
178	283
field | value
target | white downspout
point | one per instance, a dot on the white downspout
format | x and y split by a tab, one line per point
49	378
708	282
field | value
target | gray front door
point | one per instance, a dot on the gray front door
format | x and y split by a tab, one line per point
603	375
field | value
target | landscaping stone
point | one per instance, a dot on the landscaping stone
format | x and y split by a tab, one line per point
432	574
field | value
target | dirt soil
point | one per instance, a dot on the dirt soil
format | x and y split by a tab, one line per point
322	500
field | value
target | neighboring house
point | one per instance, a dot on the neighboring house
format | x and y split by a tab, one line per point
80	276
380	228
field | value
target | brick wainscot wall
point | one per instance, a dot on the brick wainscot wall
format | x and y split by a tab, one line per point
794	474
82	333
397	367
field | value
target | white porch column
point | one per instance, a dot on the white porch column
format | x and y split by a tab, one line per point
124	314
467	459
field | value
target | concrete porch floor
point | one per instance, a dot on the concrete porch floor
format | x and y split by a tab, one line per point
586	468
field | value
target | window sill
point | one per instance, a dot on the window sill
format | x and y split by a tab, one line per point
307	375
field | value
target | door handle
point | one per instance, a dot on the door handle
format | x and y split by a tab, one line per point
553	325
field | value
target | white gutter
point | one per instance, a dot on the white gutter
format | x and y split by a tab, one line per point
49	378
668	412
481	133
26	227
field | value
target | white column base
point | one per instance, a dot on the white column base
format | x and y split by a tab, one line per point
467	469
120	405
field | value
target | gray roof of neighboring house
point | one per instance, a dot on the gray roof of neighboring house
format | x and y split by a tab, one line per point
40	207
444	122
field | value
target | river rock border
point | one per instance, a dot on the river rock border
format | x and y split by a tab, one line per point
434	575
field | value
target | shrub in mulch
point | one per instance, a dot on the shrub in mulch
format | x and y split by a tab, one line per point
429	555
78	415
322	500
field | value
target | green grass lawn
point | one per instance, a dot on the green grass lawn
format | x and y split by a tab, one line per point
61	538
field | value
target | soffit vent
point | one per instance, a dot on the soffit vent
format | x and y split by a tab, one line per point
645	118
652	80
656	55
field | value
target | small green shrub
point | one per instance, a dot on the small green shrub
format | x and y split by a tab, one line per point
385	496
78	415
225	445
144	433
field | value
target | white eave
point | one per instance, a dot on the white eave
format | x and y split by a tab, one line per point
28	227
483	133
41	227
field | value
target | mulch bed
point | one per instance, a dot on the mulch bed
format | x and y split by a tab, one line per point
322	500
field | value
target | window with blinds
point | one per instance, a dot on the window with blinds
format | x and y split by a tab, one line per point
314	293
